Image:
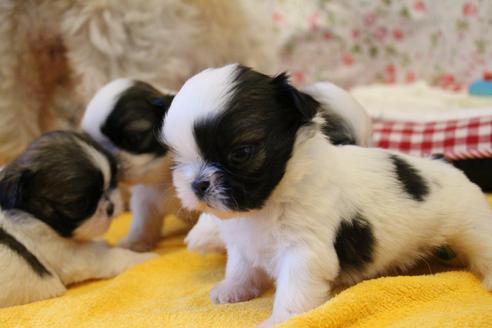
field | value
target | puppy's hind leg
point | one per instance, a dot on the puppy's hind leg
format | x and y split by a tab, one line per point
147	204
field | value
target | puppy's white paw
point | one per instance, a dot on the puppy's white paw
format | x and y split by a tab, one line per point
123	259
139	244
204	237
228	292
129	258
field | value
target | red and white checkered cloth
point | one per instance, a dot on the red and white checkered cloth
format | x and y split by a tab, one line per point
455	139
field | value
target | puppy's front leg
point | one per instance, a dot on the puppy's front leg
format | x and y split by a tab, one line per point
242	281
147	204
98	260
302	282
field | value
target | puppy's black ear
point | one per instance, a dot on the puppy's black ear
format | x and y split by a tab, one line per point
306	105
13	185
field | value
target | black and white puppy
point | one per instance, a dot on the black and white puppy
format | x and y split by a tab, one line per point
54	198
125	116
343	121
251	150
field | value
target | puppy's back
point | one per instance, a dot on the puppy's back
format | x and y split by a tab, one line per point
396	186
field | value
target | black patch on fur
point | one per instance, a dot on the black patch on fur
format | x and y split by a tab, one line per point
336	129
354	243
136	119
263	114
56	181
410	179
12	243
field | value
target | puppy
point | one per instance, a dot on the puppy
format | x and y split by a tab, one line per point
125	117
55	197
251	150
343	120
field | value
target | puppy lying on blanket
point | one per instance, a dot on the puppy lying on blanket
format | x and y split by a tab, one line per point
251	150
55	197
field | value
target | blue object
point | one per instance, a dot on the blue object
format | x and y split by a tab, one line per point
482	87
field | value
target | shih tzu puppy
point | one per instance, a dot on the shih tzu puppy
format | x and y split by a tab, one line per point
55	198
344	122
251	150
125	117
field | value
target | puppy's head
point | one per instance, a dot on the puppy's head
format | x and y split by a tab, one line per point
233	131
125	117
65	180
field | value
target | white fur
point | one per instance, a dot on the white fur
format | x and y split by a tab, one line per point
292	237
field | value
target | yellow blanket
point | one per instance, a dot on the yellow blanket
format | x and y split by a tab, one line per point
172	291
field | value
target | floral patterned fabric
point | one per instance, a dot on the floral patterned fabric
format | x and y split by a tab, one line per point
353	42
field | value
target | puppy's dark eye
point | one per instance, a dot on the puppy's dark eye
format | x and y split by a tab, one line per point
240	155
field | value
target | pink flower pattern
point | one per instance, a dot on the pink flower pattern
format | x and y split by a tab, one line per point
353	42
469	9
419	5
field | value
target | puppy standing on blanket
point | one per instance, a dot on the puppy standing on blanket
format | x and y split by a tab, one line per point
250	149
55	197
343	121
125	117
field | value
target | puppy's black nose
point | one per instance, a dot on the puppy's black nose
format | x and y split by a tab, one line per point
200	187
110	209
